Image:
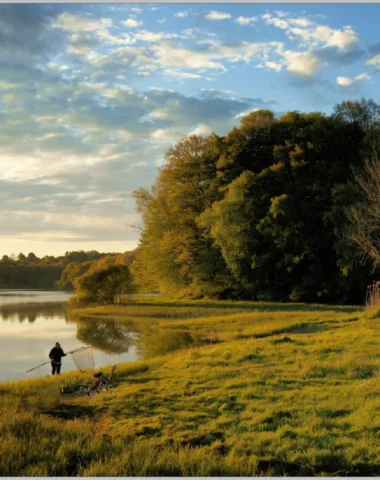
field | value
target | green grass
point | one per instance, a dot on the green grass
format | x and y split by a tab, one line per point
259	389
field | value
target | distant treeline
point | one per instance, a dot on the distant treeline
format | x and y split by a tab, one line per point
267	211
29	271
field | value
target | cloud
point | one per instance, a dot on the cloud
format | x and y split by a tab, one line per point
57	68
246	112
77	23
154	37
302	63
132	23
374	61
349	82
25	31
215	15
335	56
273	65
245	20
202	130
82	146
182	14
169	56
315	35
178	74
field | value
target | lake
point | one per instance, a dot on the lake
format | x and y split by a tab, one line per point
31	321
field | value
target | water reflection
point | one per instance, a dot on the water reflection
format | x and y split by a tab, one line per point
30	312
106	335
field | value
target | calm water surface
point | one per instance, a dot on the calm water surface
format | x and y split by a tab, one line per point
30	324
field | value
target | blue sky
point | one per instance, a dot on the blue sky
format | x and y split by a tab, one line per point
91	96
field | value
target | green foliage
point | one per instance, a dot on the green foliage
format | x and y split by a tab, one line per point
260	212
174	255
43	273
106	280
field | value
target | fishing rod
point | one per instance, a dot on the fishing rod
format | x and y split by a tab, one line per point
49	361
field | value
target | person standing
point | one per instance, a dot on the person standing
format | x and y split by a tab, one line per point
56	353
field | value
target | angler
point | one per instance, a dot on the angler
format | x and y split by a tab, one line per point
55	355
83	358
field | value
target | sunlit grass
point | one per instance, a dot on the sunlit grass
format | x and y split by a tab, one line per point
284	391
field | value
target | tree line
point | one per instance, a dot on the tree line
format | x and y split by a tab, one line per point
30	271
277	209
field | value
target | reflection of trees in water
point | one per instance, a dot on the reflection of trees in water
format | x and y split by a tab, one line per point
162	342
106	335
29	312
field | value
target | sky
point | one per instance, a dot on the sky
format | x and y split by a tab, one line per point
91	97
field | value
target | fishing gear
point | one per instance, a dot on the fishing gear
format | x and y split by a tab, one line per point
100	382
83	358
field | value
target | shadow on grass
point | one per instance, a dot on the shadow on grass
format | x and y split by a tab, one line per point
69	412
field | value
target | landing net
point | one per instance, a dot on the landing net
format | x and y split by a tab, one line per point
83	358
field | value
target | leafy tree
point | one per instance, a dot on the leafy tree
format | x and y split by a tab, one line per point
174	254
105	285
366	113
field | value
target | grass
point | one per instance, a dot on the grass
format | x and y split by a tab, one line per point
258	389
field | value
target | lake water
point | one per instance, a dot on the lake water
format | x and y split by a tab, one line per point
32	321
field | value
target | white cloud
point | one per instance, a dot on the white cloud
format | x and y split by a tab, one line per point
164	135
170	57
57	68
348	82
178	74
302	63
132	23
314	35
137	10
300	22
182	14
161	20
246	112
160	113
344	40
77	23
245	20
202	130
215	15
375	61
153	37
273	65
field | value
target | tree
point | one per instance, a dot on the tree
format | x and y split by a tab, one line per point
366	113
174	253
364	216
105	285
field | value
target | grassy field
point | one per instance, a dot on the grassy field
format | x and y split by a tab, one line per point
244	389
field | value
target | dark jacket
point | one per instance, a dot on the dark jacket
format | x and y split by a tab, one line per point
56	354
